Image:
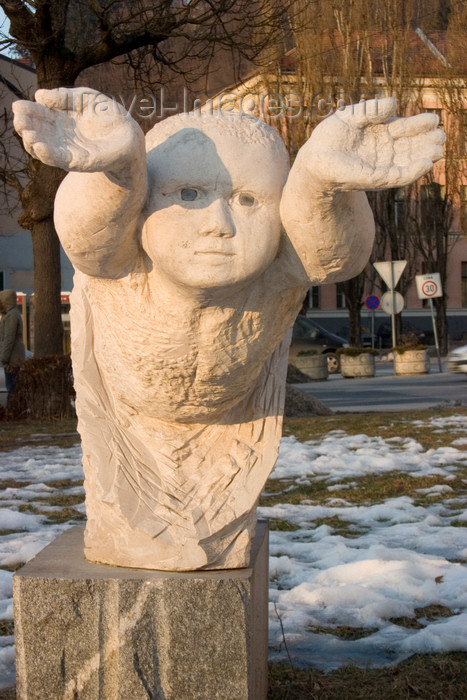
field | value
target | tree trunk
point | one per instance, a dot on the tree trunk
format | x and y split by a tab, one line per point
353	290
442	327
37	200
355	326
48	327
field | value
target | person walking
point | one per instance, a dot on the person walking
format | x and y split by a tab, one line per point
12	350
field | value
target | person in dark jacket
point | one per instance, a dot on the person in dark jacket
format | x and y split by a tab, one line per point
12	351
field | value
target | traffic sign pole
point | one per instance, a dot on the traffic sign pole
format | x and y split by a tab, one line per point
429	287
391	272
372	303
393	315
435	333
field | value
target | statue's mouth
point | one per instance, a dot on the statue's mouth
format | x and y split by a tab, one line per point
213	252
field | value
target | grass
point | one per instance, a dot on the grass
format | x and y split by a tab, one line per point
425	677
366	490
293	494
430	677
386	425
344	631
459	523
6	628
284	525
377	488
56	516
30	433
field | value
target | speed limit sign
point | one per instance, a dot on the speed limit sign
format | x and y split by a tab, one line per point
429	286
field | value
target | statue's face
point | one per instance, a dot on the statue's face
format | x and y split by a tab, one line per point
213	218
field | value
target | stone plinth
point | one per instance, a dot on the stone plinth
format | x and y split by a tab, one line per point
88	631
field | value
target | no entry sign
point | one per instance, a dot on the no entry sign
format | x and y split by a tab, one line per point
372	302
429	286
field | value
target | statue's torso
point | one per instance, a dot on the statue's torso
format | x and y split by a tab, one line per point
180	415
177	366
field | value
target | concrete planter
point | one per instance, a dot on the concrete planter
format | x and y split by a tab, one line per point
314	366
412	362
362	365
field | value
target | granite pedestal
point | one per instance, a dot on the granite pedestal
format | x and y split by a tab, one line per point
86	631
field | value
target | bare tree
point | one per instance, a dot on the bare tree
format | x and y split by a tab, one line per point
13	167
64	38
360	49
357	49
14	173
434	225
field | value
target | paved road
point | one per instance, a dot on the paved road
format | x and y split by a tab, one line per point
387	392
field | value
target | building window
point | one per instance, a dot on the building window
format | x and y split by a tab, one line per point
340	296
432	206
464	208
464	284
438	112
463	133
315	298
432	192
399	206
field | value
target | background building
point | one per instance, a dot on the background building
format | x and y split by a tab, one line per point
17	81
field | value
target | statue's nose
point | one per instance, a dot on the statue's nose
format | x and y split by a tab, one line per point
218	220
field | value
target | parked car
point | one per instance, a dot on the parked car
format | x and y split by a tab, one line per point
457	359
384	334
309	335
366	336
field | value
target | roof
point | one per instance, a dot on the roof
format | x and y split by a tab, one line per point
25	63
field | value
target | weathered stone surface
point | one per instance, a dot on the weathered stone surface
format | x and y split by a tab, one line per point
193	250
87	631
314	366
412	362
362	365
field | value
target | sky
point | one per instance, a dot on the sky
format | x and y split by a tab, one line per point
4	25
395	559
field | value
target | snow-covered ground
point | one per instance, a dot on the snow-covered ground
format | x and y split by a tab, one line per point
395	559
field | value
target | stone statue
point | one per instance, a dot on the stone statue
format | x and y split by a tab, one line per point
186	287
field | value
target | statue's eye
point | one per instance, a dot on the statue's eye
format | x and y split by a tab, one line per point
189	195
247	200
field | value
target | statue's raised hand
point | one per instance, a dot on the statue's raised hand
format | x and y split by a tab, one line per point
364	147
77	129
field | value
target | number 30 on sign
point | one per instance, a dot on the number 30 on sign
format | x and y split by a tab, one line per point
429	286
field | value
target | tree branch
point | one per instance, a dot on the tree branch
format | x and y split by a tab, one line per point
22	22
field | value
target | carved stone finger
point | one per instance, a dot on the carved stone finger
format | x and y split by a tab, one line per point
369	112
412	126
53	99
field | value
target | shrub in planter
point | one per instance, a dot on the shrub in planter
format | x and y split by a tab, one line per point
410	357
45	389
411	360
355	352
357	362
